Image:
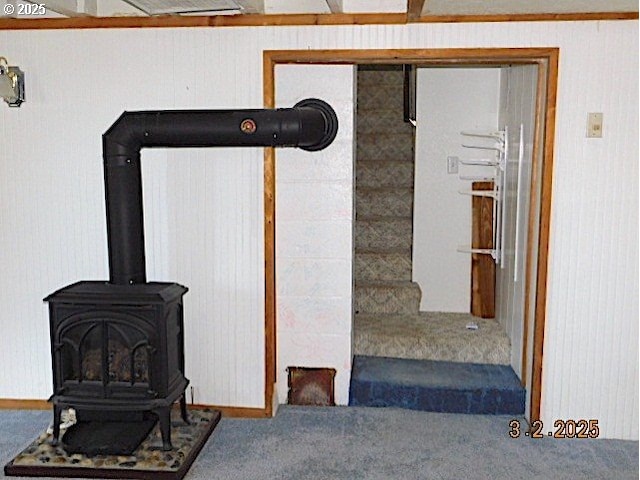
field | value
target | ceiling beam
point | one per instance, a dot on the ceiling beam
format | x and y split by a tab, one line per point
335	6
414	9
73	8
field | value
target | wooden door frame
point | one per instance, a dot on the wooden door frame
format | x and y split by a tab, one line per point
546	58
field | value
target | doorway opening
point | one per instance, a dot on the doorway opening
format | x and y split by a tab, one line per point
442	200
532	260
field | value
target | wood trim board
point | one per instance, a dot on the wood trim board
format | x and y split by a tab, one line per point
421	57
534	195
544	232
260	20
425	57
232	412
24	404
269	246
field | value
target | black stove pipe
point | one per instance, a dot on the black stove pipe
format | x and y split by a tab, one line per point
311	125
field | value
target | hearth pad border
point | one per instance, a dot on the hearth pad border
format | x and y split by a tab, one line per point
203	422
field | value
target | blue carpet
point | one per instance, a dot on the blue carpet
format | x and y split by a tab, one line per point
433	386
356	443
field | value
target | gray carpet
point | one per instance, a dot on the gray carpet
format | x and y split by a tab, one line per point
353	443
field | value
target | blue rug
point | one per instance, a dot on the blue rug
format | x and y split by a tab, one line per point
434	386
356	443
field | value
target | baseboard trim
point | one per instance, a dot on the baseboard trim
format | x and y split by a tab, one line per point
23	404
232	412
237	412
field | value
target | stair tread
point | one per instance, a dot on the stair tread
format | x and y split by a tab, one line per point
384	160
383	251
385	189
435	374
376	109
376	135
381	218
431	336
387	283
384	114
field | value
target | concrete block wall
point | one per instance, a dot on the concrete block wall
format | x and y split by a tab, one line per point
314	232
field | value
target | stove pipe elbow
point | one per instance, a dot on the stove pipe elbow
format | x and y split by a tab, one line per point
311	125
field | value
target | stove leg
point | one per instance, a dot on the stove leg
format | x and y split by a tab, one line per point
183	409
164	414
57	413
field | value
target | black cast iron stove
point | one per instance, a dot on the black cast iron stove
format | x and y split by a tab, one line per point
118	352
118	346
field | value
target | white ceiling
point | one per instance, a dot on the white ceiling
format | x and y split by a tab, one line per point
496	7
109	8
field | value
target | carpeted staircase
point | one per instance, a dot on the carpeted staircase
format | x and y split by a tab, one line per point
392	339
384	199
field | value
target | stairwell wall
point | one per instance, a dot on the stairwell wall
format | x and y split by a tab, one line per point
449	100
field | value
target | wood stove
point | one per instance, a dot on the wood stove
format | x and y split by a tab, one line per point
118	346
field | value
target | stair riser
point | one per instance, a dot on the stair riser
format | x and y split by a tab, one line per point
383	234
380	77
397	203
436	386
385	147
381	120
393	300
382	267
387	96
477	401
420	349
384	174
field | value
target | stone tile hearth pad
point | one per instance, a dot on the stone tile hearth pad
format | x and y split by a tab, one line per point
149	461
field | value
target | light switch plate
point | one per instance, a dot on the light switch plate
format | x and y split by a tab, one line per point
594	125
452	164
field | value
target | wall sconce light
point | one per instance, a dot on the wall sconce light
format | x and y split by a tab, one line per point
11	84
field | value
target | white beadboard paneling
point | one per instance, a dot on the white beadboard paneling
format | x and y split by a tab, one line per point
592	308
202	207
212	233
448	101
52	222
